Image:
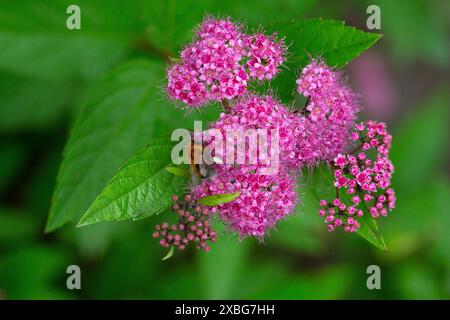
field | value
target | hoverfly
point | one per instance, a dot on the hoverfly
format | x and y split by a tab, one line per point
202	170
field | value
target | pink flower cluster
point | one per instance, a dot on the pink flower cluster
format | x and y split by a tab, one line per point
329	115
193	226
263	199
261	112
219	63
366	182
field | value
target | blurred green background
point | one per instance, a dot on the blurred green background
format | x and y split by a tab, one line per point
45	72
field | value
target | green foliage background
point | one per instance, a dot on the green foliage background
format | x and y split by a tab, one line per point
47	75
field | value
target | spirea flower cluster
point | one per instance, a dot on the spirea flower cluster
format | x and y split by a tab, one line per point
329	115
362	184
264	198
218	66
221	61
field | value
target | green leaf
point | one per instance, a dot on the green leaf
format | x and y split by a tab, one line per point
120	115
141	188
369	230
169	254
182	172
217	199
331	40
320	183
